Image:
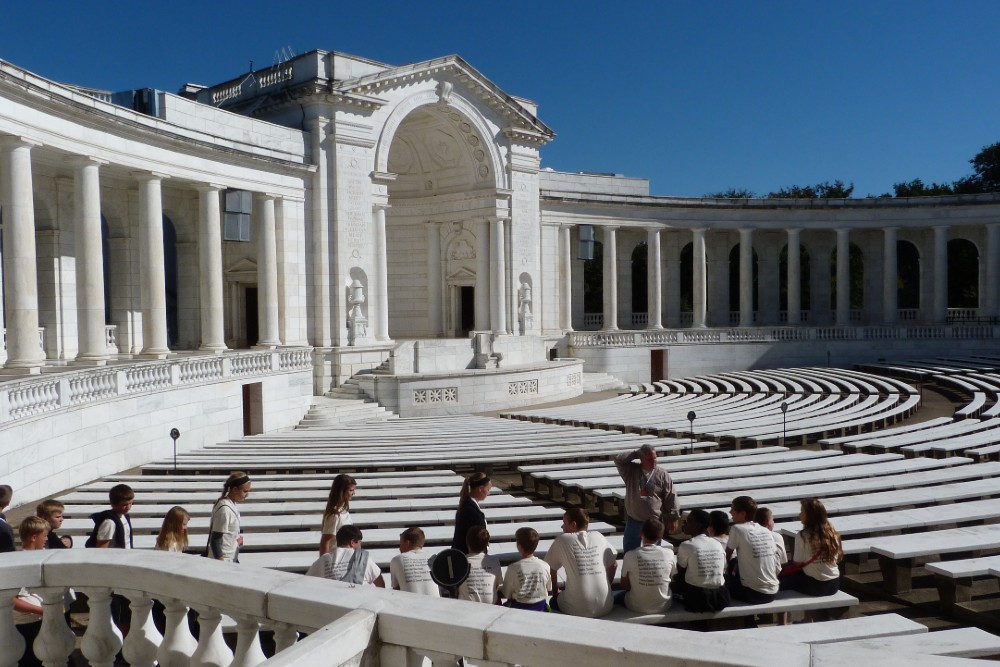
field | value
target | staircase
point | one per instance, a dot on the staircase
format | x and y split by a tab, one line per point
345	404
593	382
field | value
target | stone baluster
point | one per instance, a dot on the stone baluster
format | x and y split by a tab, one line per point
178	644
610	266
143	638
285	635
212	650
55	640
248	652
10	639
102	640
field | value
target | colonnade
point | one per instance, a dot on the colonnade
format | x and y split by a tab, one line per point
989	304
24	352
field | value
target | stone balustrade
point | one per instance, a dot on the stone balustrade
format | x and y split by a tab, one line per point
23	398
580	339
345	624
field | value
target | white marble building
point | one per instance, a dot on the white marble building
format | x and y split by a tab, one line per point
367	214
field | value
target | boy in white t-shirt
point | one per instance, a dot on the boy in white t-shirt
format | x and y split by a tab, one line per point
348	561
755	580
590	564
646	572
410	570
484	580
33	532
765	517
701	564
527	582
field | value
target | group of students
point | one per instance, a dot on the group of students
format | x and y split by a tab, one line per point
725	557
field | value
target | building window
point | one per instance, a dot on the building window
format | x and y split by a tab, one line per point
239	206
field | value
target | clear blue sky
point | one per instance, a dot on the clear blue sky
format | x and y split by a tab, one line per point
696	96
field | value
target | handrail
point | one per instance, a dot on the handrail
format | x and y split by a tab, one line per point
348	624
27	397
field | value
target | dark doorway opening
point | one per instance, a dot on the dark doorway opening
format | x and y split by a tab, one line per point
253	327
467	308
657	365
253	408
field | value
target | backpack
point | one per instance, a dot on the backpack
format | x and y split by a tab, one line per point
356	567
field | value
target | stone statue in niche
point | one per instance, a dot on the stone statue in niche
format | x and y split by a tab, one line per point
462	249
357	323
525	319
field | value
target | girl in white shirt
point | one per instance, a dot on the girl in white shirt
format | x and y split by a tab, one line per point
336	514
173	533
225	540
817	550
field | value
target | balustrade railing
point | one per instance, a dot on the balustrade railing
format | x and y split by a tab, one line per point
30	396
346	624
593	320
111	338
781	334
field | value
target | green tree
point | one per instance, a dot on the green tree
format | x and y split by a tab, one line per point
732	193
824	190
986	164
917	188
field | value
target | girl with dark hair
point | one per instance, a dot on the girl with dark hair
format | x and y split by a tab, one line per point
336	513
475	489
225	539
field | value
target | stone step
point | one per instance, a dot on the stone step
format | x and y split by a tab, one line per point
343	407
593	382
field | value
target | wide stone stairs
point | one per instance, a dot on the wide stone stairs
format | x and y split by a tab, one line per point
594	382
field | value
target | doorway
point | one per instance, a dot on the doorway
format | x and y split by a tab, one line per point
250	308
657	365
253	408
466	309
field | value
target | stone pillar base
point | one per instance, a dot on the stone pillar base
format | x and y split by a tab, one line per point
153	354
89	361
10	371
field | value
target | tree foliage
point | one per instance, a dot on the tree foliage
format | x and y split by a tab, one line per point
917	188
986	164
824	190
732	193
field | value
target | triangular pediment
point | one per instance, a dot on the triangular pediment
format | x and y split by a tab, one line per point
522	121
462	274
242	270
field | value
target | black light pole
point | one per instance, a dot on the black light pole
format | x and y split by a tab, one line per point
691	418
174	433
784	419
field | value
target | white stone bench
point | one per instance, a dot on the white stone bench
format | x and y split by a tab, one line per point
897	553
841	630
955	642
855	442
958	443
786	601
887	441
828	490
954	578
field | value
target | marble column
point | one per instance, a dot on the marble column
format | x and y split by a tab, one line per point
380	291
483	300
434	286
498	280
210	283
267	272
843	317
89	263
610	261
24	349
890	277
700	280
746	277
320	237
654	280
565	278
794	278
152	280
940	315
992	300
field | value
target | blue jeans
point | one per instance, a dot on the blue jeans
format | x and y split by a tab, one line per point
633	534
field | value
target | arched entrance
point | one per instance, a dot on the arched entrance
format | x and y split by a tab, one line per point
442	198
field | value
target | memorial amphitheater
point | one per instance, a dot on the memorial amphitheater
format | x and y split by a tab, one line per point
335	264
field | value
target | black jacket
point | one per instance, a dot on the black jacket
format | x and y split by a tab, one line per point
467	516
